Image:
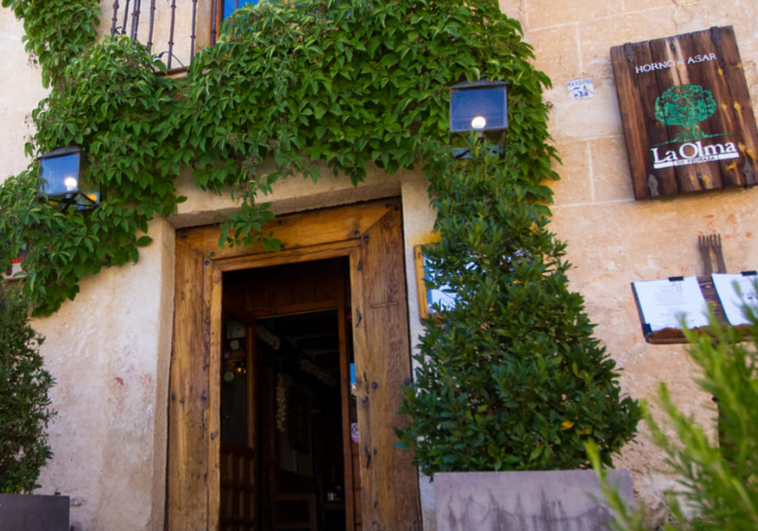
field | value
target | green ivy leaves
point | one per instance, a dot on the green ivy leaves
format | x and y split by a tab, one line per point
336	84
113	103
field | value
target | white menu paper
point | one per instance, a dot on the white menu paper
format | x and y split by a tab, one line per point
736	291
665	302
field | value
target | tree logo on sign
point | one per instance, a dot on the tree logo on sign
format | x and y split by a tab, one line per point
686	106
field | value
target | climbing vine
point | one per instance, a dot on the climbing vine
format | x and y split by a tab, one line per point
287	91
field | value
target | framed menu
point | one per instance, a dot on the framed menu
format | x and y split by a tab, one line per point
736	291
664	305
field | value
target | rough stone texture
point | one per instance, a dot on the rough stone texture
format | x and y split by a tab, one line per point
613	239
525	501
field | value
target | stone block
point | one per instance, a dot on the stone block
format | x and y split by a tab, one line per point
514	9
586	119
546	13
611	176
566	500
638	6
575	185
598	36
560	62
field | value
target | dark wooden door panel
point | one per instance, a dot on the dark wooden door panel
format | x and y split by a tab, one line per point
238	496
388	480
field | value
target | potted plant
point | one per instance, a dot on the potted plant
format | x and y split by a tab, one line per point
508	379
24	415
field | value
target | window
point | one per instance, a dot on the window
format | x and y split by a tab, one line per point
229	6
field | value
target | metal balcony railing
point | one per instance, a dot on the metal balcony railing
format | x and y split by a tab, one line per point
173	31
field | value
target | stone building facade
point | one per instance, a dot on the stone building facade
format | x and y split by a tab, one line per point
110	349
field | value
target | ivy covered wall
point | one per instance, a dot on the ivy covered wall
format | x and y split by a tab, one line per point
347	85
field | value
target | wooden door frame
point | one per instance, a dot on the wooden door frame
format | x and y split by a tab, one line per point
193	471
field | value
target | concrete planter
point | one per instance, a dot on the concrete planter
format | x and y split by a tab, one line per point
31	512
524	501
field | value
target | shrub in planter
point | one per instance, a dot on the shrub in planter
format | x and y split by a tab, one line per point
24	403
510	378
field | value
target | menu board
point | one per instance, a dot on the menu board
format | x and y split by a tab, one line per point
665	304
736	291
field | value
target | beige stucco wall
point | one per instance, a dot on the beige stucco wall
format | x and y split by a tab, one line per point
110	352
20	91
110	348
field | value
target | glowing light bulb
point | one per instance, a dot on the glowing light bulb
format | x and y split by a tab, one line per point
70	183
478	123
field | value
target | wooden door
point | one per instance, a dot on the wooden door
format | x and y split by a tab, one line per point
370	234
388	480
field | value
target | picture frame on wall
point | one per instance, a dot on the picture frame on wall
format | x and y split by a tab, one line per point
428	297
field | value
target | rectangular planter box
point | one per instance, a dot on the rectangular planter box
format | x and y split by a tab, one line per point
525	501
31	512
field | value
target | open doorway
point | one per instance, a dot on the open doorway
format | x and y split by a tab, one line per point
288	416
365	241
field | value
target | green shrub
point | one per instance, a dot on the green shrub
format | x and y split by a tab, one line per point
511	377
718	480
24	403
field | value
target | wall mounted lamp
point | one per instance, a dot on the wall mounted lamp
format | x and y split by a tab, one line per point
62	182
479	106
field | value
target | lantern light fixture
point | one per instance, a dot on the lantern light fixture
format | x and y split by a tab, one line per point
62	180
480	106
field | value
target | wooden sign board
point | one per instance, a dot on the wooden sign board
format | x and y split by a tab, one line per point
686	111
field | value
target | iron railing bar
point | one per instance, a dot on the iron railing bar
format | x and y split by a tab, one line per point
126	16
135	20
193	37
150	31
214	25
171	34
115	19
